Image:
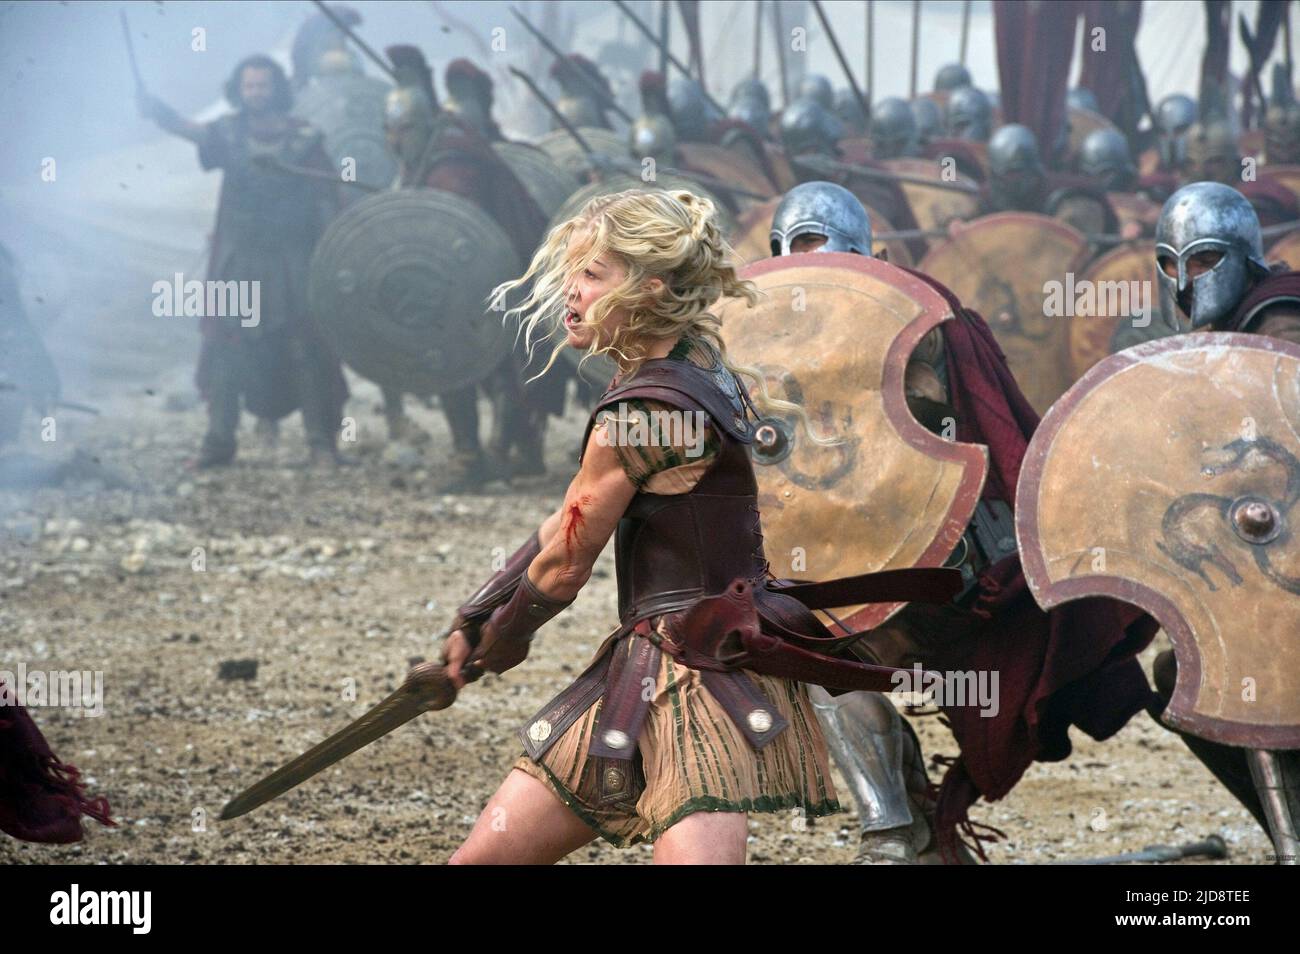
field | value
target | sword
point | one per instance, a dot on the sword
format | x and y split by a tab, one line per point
587	81
427	688
1212	847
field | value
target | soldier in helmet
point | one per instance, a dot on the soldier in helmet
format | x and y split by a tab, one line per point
1018	182
438	150
951	77
469	96
317	37
751	104
1213	277
578	77
1104	157
809	130
928	118
956	376
694	117
1282	121
1175	115
1214	155
849	111
267	225
970	115
653	133
893	130
818	88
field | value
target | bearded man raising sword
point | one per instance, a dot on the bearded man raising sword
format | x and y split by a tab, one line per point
1080	668
267	225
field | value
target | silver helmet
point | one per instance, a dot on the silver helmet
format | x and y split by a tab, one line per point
950	77
1105	156
807	127
970	114
751	103
691	110
1175	113
1014	148
928	118
818	87
1207	217
849	111
821	208
893	129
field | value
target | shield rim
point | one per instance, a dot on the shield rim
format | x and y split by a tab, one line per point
1050	594
973	458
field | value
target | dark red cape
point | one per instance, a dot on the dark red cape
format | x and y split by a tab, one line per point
1073	665
41	798
1279	285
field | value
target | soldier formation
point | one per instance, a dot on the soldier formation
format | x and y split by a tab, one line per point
935	196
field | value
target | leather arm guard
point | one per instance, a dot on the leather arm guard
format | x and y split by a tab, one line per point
508	633
497	591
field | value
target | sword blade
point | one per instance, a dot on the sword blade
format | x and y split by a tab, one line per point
426	688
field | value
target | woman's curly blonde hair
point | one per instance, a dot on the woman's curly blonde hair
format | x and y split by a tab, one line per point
672	236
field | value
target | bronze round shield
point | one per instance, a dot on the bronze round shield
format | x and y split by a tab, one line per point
398	287
935	206
724	165
548	184
1288	175
1134	208
1286	249
1169	477
1012	268
1118	287
568	155
832	333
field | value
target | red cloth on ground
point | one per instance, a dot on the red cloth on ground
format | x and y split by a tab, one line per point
41	798
1073	665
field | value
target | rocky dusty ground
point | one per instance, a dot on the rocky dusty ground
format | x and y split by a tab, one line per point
332	582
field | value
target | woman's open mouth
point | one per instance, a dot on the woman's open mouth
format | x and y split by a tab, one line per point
571	318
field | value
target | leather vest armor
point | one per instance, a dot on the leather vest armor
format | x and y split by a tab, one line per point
673	549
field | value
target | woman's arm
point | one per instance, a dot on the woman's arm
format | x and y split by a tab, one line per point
571	539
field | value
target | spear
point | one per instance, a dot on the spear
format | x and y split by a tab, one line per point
361	44
871	42
916	44
965	29
758	37
592	86
677	64
839	55
779	30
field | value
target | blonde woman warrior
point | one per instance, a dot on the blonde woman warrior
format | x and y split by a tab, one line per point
694	711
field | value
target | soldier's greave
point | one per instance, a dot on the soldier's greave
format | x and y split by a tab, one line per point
1277	781
864	734
461	408
1227	763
